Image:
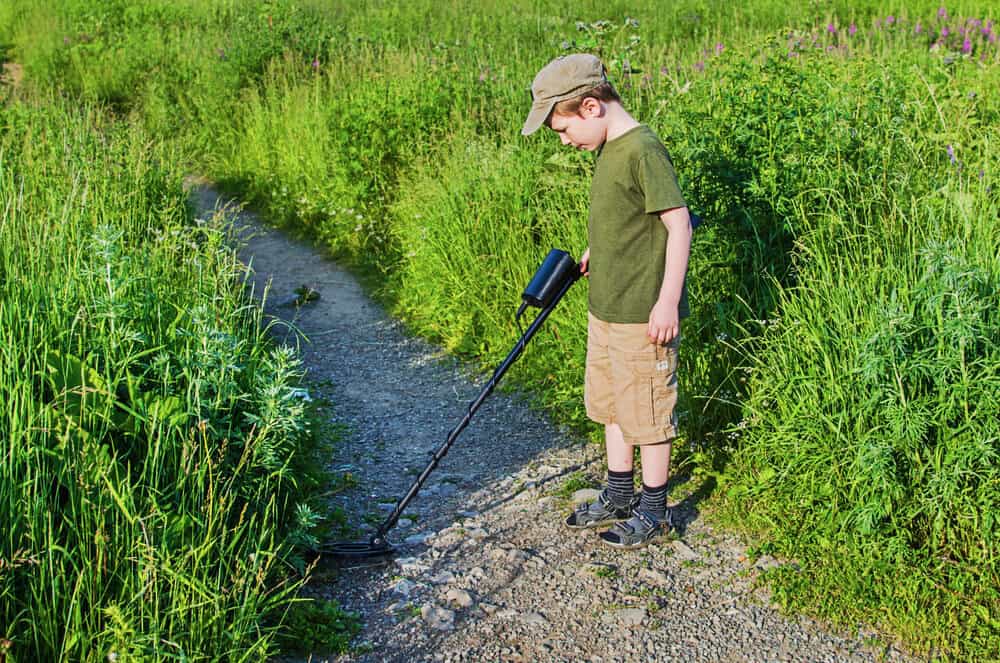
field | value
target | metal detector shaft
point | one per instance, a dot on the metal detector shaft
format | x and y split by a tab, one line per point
442	451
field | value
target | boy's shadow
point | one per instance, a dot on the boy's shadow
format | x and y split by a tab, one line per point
686	511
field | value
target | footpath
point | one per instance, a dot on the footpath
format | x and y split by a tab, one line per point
485	570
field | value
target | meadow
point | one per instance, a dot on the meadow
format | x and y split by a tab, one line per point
841	364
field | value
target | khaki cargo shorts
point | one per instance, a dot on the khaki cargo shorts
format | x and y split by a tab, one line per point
631	382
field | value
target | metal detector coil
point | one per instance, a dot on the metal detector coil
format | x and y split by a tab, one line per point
554	277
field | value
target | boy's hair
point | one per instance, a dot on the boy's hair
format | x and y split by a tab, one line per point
603	92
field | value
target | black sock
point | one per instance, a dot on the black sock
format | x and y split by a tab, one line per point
654	500
621	487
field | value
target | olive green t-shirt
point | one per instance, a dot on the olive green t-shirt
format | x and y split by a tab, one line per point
634	180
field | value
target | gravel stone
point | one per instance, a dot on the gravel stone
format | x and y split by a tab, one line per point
653	577
534	618
443	578
458	597
683	551
404	587
437	617
585	495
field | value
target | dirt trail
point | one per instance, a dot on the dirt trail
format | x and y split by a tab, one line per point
485	570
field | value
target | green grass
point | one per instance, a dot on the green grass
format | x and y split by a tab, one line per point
840	366
149	426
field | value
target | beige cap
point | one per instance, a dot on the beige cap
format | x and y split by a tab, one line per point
564	78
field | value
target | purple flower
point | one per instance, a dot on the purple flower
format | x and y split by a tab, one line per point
942	13
951	154
890	19
982	173
944	32
917	29
831	28
851	30
699	66
967	46
315	63
719	48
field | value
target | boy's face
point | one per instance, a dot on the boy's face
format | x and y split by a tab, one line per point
584	130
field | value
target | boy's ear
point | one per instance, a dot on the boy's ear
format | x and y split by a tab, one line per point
591	107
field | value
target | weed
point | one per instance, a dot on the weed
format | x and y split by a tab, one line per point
319	625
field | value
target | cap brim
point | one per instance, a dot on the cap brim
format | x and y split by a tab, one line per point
537	116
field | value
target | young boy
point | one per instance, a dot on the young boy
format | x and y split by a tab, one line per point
639	234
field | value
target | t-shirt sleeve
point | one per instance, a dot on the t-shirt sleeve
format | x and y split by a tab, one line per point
658	180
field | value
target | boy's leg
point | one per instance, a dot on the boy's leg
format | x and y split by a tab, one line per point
655	463
621	476
617	499
655	474
620	452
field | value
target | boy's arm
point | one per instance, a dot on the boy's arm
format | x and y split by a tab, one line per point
664	320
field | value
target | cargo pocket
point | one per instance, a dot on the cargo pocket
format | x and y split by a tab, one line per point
642	370
664	390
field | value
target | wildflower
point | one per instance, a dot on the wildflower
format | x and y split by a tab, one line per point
917	29
982	173
943	14
851	30
699	65
831	28
951	154
967	46
719	48
890	19
944	32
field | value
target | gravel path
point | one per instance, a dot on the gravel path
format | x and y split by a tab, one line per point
485	570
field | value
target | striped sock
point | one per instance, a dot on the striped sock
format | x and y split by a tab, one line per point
621	487
654	500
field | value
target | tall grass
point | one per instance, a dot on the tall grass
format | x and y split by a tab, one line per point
840	363
148	426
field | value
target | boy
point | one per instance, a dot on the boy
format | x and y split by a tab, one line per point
639	237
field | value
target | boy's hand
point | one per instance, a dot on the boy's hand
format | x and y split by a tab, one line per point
664	323
585	262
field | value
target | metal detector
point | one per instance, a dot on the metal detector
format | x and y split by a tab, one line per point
558	272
